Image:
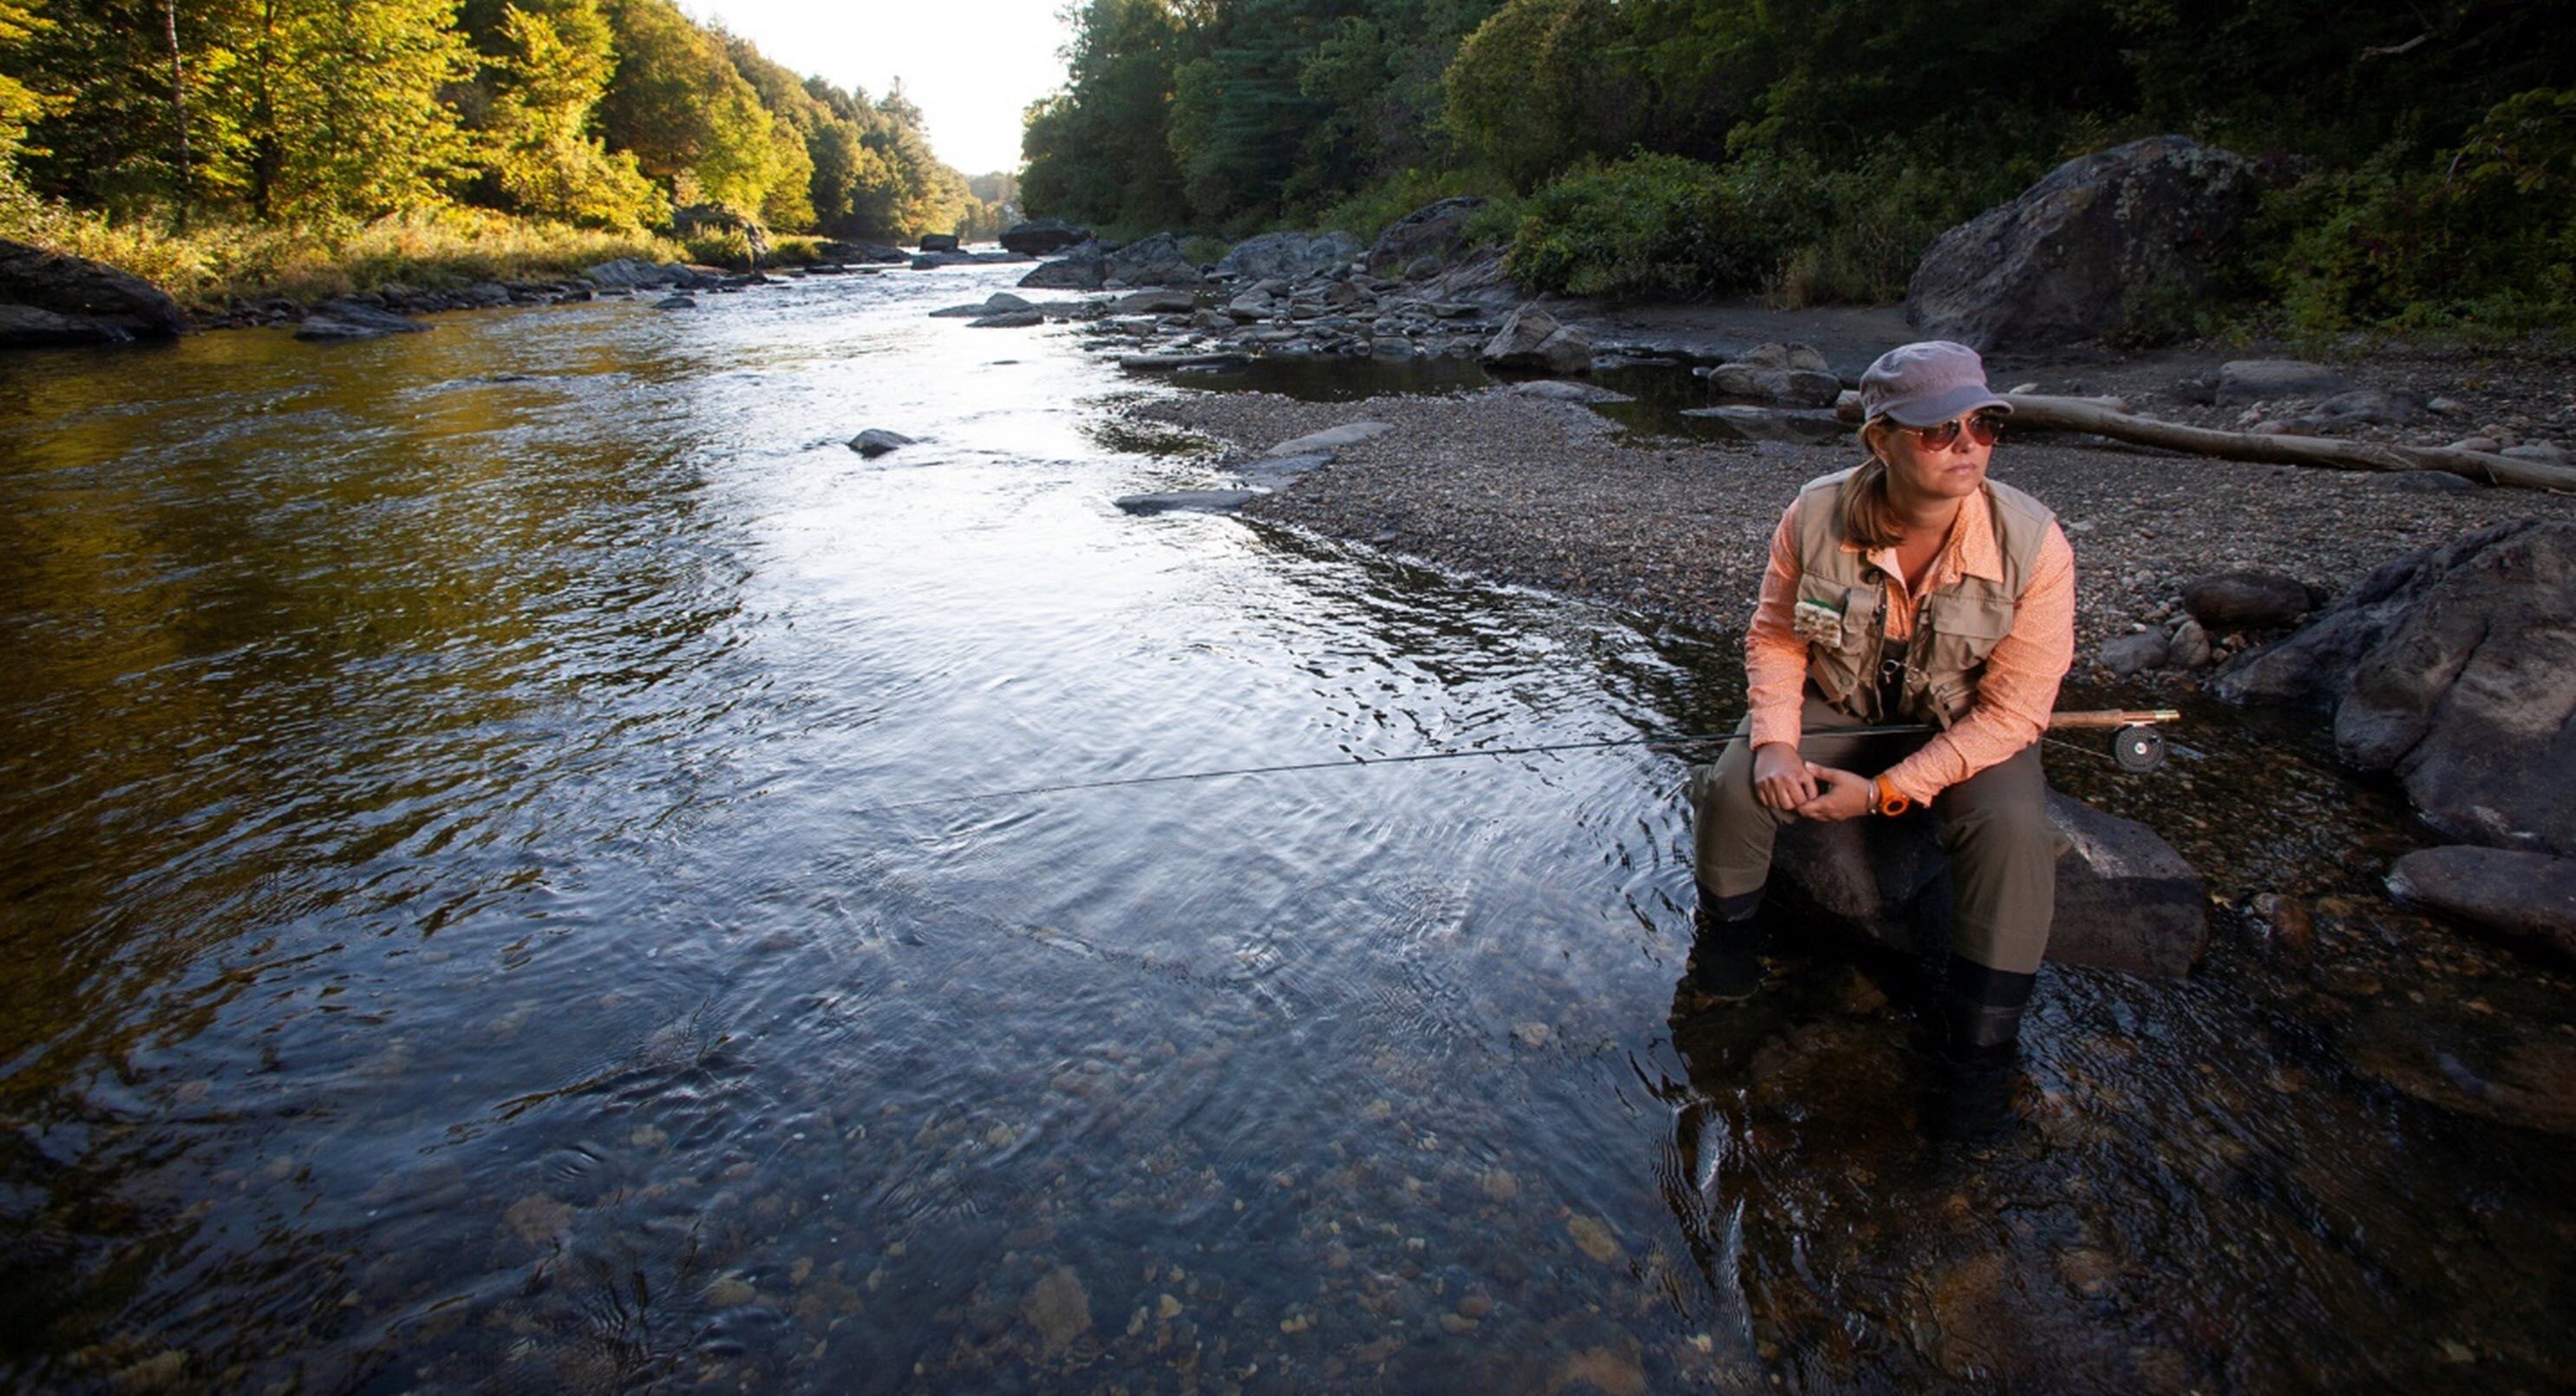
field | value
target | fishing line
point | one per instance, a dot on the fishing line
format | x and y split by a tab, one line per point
1354	762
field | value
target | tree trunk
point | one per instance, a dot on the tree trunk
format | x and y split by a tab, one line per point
178	106
2079	414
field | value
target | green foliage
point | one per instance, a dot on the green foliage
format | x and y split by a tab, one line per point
1524	96
550	74
1646	225
2480	236
1100	151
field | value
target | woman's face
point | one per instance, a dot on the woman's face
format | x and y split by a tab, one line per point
1919	471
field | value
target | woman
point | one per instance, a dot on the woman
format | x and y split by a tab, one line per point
1909	589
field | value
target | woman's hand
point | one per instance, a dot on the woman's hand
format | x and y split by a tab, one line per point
1843	795
1780	779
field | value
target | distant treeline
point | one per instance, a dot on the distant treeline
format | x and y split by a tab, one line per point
594	113
2425	149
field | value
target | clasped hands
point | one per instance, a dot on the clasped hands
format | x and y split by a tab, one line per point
1784	780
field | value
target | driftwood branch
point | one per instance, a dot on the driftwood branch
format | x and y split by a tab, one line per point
2079	414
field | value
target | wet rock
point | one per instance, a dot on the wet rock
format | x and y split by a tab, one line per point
876	441
1330	438
2247	598
1289	255
1793	375
2105	245
2251	380
2453	669
1043	236
2463	1063
1532	338
1797	426
346	319
938	242
2125	899
2125	655
1976	1324
1532	1035
1599	1369
677	300
2527	900
998	303
1008	320
1059	1309
1186	501
539	1220
1593	1237
634	273
1434	232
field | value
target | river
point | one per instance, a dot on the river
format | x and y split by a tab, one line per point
488	906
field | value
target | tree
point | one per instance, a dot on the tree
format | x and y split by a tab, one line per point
549	76
679	105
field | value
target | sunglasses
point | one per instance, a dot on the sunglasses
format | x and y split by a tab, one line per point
1983	428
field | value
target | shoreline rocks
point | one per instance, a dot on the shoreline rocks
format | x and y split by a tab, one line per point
49	298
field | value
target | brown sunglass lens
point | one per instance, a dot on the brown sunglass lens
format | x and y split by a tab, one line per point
1982	429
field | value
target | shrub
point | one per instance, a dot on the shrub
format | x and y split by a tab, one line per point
1656	225
2480	238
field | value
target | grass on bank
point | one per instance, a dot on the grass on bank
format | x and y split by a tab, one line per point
209	265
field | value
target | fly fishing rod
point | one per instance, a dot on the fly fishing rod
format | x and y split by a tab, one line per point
2136	746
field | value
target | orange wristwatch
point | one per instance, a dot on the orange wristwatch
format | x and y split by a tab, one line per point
1887	799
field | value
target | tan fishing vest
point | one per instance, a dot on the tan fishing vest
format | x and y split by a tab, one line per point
1841	604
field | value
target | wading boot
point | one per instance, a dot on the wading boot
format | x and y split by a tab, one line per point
1982	1010
1726	955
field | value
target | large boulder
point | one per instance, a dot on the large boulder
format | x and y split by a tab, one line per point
50	298
2110	244
1153	261
1532	338
1293	256
1433	233
2125	899
2251	597
2527	900
938	242
2454	670
1043	236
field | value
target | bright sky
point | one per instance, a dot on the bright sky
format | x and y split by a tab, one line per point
972	66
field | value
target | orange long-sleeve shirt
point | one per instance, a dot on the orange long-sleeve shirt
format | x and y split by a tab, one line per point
2015	694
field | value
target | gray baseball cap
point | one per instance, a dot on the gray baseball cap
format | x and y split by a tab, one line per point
1926	383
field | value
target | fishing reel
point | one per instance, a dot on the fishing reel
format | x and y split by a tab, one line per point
2137	748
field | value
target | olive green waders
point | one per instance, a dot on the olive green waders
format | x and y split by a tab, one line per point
1994	826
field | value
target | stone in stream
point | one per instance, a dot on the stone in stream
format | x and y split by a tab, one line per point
1532	338
1792	375
876	441
2125	899
1157	301
2454	670
998	303
1008	320
351	319
677	300
1043	236
2528	900
1059	1309
1186	501
1794	425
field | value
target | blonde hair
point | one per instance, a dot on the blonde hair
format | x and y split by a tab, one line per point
1868	516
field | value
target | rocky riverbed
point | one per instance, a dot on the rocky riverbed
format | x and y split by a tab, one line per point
1529	489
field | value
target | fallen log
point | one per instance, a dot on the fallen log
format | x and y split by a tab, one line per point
2079	414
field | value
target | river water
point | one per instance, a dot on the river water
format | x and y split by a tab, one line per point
485	907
